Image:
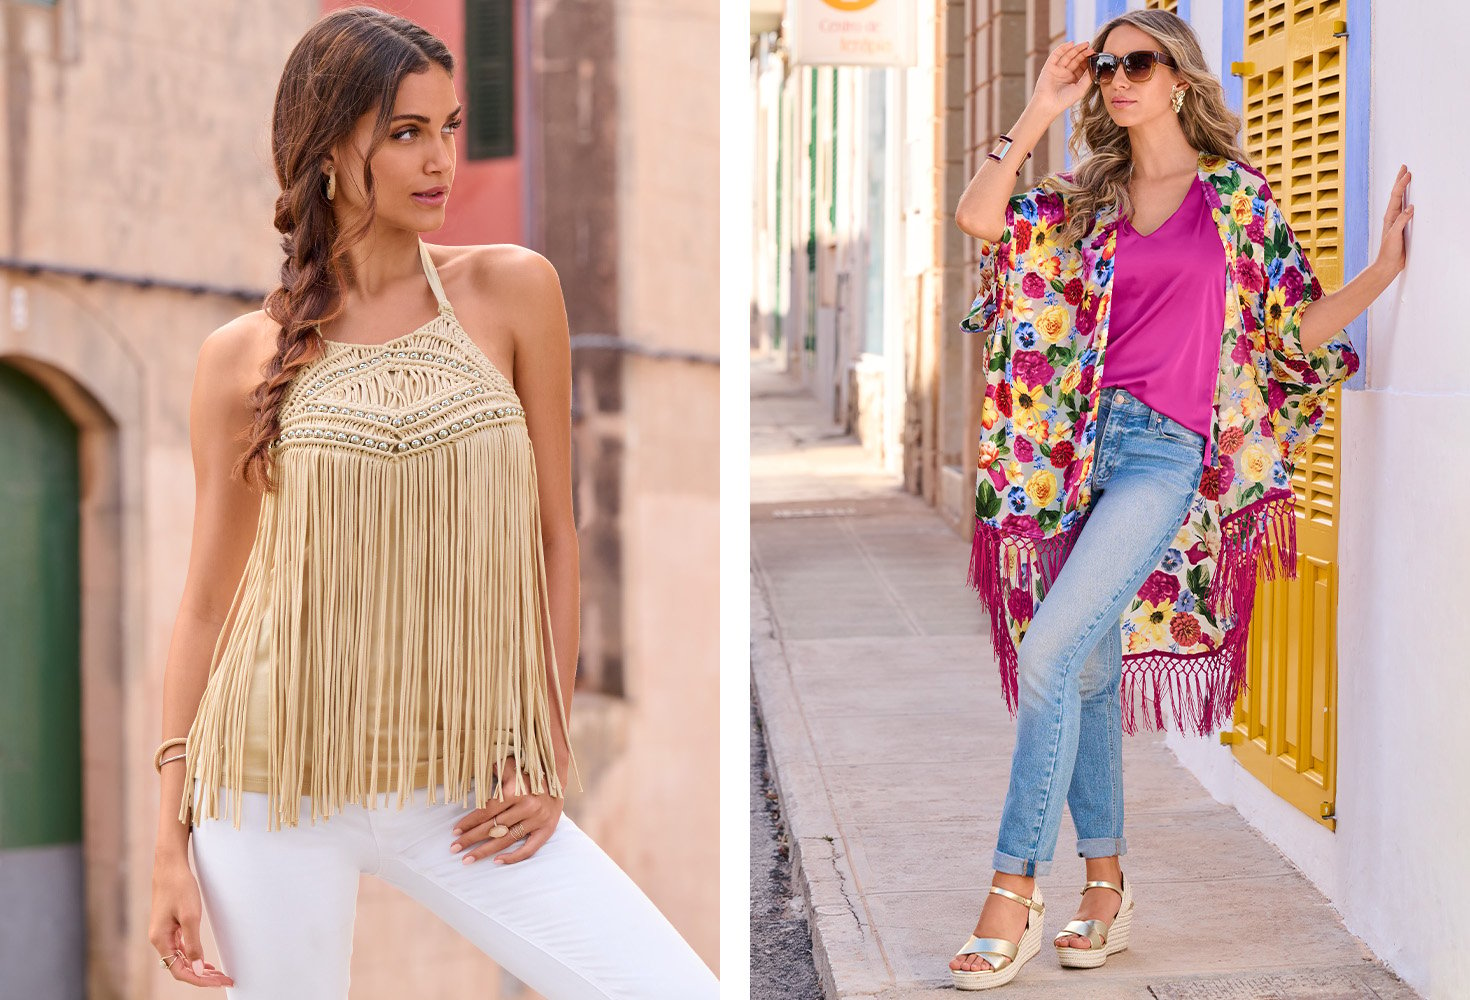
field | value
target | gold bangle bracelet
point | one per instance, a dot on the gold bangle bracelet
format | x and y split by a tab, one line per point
165	760
158	754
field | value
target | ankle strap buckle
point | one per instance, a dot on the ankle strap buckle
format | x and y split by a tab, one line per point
1018	898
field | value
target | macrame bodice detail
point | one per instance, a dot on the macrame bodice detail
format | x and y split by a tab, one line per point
392	610
415	392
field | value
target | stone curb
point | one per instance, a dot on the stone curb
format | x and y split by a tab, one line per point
849	961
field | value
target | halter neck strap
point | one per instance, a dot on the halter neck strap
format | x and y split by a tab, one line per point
433	276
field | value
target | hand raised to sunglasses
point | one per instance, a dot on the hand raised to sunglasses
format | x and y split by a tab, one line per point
1064	78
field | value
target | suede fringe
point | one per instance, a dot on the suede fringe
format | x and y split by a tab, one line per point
422	571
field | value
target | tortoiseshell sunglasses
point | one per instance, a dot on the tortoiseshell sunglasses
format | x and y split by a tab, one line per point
1138	66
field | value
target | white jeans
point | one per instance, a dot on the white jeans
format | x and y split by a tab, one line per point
567	921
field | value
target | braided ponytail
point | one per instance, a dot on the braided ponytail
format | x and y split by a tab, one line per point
348	64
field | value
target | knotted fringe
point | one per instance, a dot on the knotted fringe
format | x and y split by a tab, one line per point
1251	537
1202	688
402	572
1004	565
1258	541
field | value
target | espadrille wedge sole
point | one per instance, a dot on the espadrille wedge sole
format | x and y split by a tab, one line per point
1106	938
1005	957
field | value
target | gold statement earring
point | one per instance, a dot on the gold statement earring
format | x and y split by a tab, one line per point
332	183
1178	99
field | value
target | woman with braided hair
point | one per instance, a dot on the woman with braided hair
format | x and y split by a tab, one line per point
381	605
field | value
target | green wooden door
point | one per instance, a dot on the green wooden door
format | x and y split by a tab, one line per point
40	619
40	713
42	892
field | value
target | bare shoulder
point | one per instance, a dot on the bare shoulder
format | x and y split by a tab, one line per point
227	371
494	275
491	266
510	265
232	357
515	282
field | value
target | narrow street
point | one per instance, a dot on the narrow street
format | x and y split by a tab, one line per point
890	749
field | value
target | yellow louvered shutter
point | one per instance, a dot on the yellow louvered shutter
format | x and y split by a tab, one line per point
1285	730
1172	6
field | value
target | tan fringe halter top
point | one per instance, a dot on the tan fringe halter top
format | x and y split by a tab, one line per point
387	630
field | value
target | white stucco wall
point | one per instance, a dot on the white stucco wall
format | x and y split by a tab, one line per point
1393	867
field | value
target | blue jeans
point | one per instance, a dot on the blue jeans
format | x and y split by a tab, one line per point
1069	725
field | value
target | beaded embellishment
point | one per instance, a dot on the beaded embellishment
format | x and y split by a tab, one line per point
428	387
400	564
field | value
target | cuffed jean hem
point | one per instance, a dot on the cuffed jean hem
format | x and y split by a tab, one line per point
1102	847
1012	865
1068	751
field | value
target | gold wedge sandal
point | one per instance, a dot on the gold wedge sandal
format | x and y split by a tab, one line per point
1005	957
1106	938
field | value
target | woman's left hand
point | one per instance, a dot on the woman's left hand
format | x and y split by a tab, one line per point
529	816
1392	256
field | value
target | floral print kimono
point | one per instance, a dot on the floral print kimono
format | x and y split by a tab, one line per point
1044	310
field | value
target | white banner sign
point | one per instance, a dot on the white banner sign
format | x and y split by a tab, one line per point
852	33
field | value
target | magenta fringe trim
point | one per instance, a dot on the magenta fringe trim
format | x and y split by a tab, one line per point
1035	557
1201	688
1250	537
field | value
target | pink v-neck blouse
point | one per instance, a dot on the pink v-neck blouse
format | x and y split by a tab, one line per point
1168	313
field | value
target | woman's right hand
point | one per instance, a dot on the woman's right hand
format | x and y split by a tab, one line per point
173	926
1065	77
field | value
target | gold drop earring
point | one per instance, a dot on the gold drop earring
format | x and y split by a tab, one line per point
332	183
1178	99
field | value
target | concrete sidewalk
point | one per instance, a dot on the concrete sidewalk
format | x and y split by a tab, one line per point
890	746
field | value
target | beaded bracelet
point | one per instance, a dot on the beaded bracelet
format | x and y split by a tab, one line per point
1004	146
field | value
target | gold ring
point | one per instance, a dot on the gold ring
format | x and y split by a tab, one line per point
167	961
497	831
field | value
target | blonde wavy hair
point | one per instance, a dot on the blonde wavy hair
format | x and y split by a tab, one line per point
1101	148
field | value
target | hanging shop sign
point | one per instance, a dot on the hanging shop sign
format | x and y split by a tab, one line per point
852	33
